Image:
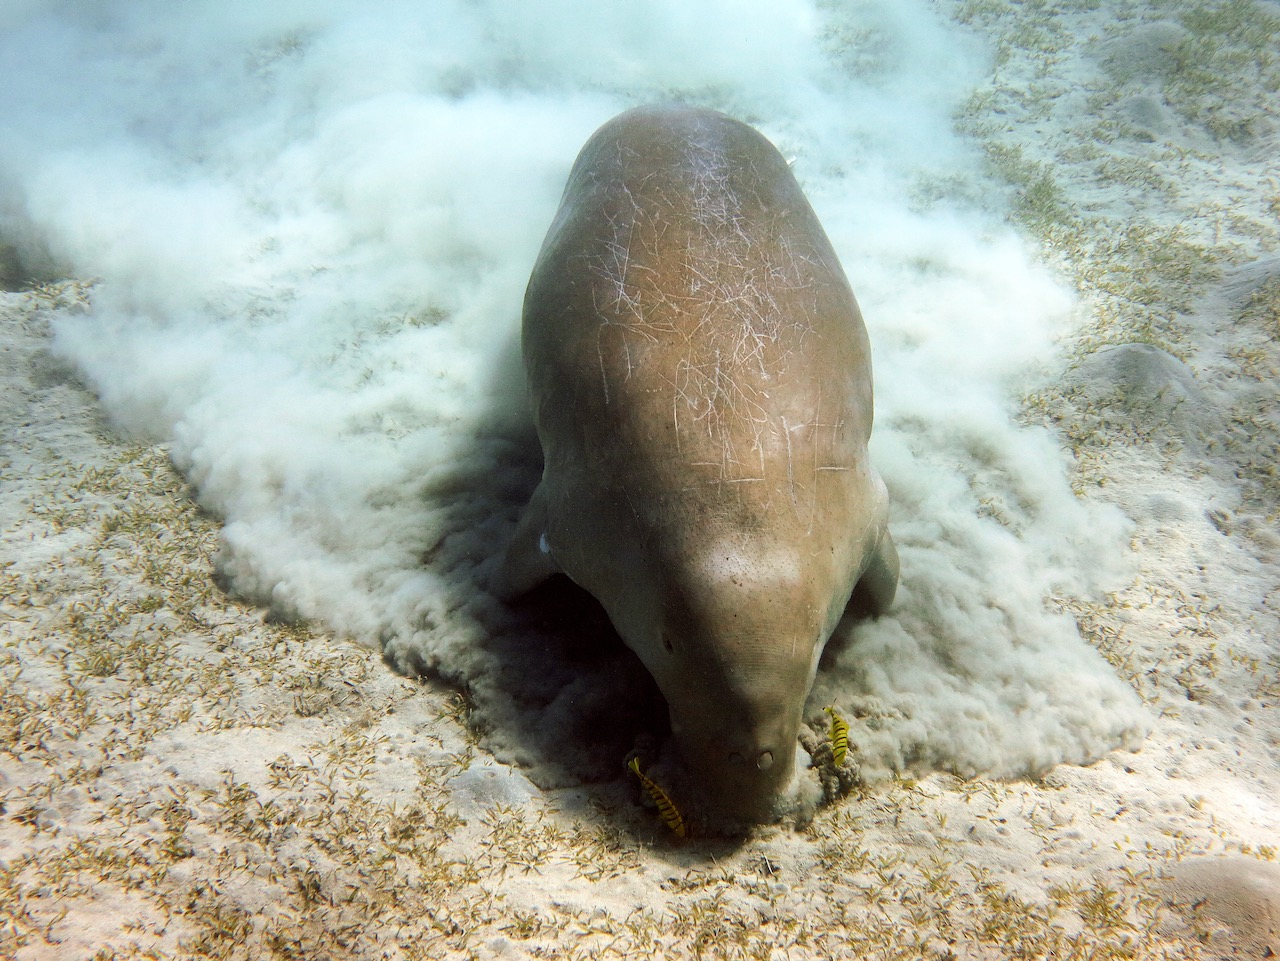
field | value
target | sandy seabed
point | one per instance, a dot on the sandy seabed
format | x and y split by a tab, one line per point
183	777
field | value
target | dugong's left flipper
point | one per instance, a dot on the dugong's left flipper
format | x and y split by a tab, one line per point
873	594
528	561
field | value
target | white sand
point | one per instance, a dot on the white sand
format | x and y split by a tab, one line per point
185	775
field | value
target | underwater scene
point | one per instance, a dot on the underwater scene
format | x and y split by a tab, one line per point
452	504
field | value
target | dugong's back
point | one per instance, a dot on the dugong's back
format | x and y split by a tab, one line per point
701	384
689	315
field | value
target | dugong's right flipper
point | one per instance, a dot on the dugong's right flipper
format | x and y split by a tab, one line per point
528	561
873	594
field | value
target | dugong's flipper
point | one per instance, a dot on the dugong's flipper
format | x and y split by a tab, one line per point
528	561
874	591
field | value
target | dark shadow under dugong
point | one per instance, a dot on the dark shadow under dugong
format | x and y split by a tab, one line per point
701	386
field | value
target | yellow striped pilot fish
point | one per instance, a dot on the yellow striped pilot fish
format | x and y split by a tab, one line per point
839	737
666	807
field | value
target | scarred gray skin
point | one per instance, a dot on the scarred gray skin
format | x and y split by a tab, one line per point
701	384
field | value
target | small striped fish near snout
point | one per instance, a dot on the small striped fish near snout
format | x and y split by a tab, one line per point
666	807
839	737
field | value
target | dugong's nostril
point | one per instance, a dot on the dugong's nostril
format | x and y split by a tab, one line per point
764	760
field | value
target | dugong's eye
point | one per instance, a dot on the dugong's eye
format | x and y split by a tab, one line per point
666	643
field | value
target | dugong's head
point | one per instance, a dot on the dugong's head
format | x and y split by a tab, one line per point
740	638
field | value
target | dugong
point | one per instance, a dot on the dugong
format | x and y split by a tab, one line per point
700	380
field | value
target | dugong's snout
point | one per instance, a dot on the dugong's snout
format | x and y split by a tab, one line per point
742	640
741	772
